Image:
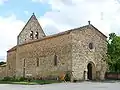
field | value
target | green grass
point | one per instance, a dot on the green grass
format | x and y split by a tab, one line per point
34	82
46	81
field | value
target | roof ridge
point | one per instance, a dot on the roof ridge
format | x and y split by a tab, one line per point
57	34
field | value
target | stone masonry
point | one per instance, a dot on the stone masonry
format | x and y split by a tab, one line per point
82	54
32	26
81	51
2	71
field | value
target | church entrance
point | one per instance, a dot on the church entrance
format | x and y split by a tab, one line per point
91	71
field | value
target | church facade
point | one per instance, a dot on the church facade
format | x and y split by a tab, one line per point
80	51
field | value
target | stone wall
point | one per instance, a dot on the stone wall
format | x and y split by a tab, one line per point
32	25
11	63
71	49
82	54
44	51
2	71
112	76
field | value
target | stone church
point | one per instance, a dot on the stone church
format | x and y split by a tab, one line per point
80	51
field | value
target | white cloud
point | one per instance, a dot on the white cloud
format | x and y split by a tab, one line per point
46	24
3	1
9	29
67	14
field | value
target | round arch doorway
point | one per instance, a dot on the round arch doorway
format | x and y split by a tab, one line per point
91	74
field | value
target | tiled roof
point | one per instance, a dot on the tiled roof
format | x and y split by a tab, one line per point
12	49
56	35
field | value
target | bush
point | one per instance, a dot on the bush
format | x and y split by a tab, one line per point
67	76
7	79
16	79
2	63
22	79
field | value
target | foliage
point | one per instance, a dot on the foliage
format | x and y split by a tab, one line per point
7	79
1	63
22	79
46	81
14	79
114	53
67	76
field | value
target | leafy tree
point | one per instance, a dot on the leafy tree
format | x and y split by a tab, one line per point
111	36
114	52
1	63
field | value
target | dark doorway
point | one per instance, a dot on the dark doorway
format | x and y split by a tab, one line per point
89	67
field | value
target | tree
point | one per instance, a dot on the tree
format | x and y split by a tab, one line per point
1	63
112	36
114	52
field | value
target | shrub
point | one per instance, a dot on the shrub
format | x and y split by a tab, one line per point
2	63
16	79
22	79
67	76
7	79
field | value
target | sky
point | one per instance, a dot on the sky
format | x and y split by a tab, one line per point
56	16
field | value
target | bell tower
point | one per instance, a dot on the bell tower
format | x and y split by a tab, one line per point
31	31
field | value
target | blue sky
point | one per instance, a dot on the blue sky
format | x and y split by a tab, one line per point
56	16
18	7
19	11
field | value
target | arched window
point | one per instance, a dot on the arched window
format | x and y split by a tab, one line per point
24	63
36	35
37	62
55	60
9	67
91	45
31	34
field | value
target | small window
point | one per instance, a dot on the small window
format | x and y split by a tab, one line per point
37	62
91	45
31	34
9	66
24	63
36	35
55	60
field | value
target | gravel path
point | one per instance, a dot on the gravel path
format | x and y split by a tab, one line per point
65	86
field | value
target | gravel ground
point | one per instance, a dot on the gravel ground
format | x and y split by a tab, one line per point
65	86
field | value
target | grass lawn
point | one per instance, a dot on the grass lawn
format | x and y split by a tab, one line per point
34	82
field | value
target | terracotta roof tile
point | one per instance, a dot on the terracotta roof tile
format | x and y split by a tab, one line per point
56	35
12	49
